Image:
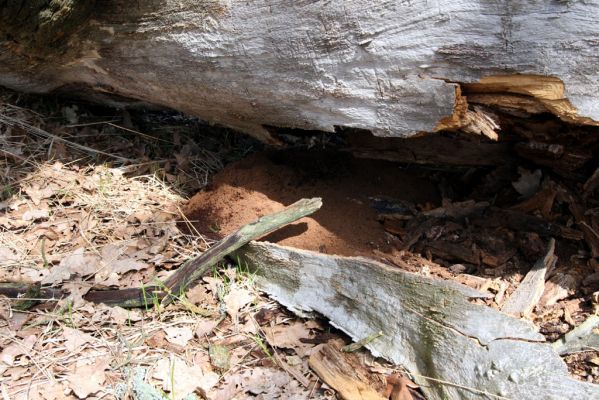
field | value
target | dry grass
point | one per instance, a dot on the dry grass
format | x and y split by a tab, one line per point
78	211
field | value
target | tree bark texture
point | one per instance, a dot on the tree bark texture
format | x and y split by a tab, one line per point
395	68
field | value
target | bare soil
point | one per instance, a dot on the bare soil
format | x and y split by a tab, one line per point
347	223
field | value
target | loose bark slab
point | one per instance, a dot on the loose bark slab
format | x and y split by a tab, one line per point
583	337
529	292
453	348
395	68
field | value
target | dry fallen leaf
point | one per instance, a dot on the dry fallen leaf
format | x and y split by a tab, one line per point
186	379
88	379
287	336
126	265
33	215
74	338
17	348
178	336
75	263
120	316
398	387
205	327
7	255
236	299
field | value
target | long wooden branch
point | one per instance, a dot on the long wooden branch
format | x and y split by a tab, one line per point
188	273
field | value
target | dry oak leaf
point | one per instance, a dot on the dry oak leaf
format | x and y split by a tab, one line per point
288	336
186	379
75	263
88	379
236	299
179	336
7	255
74	338
17	348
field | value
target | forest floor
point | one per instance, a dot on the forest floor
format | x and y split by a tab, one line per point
98	198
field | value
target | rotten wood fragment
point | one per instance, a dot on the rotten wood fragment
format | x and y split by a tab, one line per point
190	272
334	369
592	183
583	337
530	290
458	210
542	200
452	347
590	235
521	222
453	251
562	159
431	149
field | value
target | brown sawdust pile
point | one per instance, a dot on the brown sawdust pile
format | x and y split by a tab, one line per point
345	225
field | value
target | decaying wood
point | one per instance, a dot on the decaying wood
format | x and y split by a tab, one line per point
431	149
191	271
582	338
521	222
590	234
453	348
395	68
592	183
332	367
453	251
530	290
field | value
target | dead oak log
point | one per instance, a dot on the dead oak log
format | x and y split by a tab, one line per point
394	68
452	347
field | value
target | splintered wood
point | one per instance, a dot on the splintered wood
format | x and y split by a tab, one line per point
530	290
333	368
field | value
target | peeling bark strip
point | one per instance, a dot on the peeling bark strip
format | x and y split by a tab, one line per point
430	326
189	272
393	67
529	292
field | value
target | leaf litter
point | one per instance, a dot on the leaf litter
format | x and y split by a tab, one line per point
78	212
74	214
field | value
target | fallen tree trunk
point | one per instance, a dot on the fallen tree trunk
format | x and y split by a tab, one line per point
394	68
454	349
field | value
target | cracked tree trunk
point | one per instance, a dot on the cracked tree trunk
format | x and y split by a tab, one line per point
455	349
394	68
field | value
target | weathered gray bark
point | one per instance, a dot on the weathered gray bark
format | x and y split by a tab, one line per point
393	67
454	348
